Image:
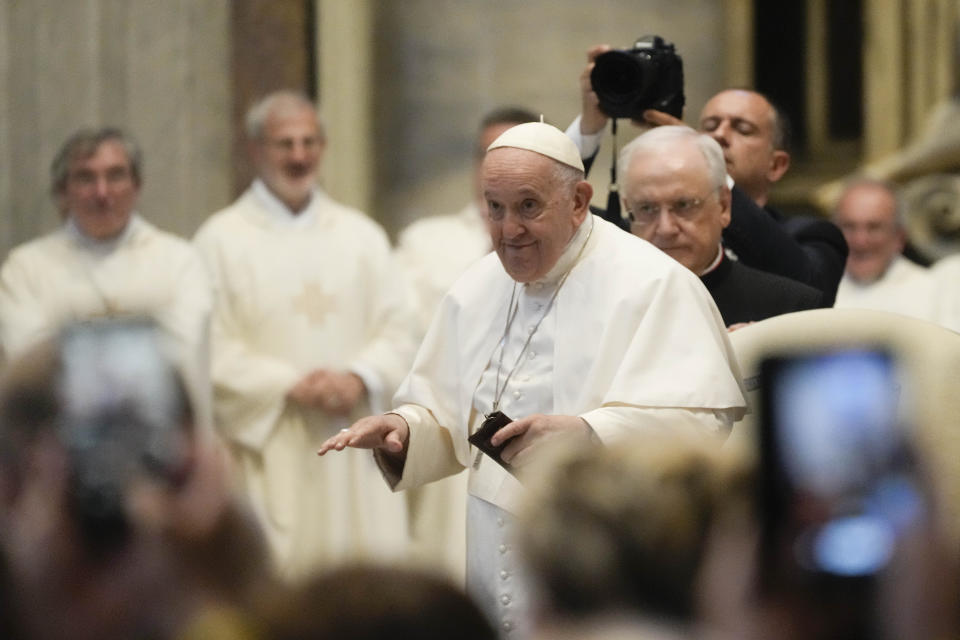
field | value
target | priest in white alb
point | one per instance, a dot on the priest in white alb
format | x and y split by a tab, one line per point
876	275
309	331
571	327
107	261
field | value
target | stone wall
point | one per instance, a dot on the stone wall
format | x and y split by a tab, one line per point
440	64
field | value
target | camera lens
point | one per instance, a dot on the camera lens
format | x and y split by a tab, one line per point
618	81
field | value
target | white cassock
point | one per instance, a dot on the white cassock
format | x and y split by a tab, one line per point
946	277
295	293
65	276
433	253
904	288
632	341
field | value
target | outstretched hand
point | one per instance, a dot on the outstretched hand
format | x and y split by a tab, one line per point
388	432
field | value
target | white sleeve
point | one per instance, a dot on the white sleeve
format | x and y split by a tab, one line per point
589	144
615	421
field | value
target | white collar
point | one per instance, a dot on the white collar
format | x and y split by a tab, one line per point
716	261
106	245
281	213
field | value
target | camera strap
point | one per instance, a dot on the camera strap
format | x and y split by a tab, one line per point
613	197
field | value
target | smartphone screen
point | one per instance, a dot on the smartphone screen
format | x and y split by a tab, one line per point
838	482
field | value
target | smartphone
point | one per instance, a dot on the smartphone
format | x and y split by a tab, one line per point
124	417
838	484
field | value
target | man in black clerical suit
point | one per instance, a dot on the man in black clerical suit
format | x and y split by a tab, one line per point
674	191
754	137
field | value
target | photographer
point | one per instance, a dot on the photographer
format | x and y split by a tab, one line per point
754	136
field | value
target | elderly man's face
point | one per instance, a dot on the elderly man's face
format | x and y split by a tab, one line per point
532	214
674	206
742	122
866	214
101	192
288	154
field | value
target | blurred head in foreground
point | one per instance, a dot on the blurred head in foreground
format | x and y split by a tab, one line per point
369	602
619	533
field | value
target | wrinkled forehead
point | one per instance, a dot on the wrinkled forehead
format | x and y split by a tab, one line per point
674	163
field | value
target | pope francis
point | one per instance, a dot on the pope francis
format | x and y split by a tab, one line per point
571	327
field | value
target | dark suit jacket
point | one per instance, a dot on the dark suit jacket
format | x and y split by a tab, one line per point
806	249
744	294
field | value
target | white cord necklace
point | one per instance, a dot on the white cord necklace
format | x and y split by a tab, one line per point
512	313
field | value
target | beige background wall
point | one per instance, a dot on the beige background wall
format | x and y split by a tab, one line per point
433	84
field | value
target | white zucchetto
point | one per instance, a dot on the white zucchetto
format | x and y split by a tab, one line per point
541	138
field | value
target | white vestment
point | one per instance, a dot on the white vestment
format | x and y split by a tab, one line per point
296	293
65	276
904	288
632	341
433	253
946	277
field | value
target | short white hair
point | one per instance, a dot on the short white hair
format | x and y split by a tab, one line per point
284	99
662	139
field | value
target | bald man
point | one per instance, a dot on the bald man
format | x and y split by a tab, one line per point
877	275
755	137
570	327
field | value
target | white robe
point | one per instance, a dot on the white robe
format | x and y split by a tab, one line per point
904	288
433	253
632	341
296	293
65	276
946	277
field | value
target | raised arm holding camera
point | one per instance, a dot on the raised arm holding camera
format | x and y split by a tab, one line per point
754	136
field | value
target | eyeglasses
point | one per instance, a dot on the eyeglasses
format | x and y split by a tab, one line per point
682	209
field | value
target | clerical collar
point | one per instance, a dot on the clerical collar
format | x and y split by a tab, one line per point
716	261
569	256
103	245
281	213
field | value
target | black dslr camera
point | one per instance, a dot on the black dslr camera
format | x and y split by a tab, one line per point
648	76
